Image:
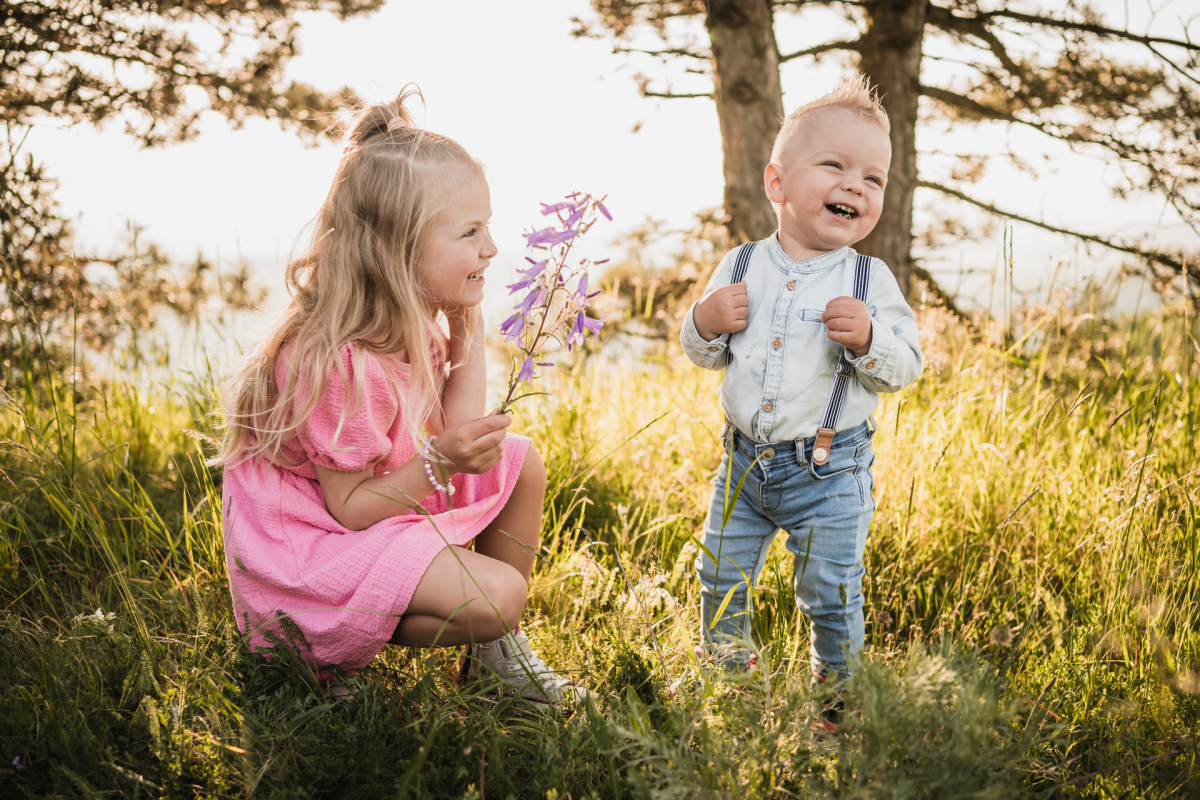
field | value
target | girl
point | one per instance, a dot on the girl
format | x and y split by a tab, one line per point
356	447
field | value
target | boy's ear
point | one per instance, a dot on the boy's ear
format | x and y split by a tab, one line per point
773	184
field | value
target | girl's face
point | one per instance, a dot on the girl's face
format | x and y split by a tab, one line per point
459	248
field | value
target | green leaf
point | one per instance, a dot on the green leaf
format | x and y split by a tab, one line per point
724	605
728	510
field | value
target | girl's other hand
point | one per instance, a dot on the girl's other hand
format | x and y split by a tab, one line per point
474	446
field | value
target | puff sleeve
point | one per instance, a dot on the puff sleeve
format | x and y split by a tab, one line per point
358	439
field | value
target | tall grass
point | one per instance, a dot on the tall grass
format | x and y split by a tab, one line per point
1031	600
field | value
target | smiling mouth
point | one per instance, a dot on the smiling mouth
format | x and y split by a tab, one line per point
839	210
475	276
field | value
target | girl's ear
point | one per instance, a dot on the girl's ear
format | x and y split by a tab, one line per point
773	183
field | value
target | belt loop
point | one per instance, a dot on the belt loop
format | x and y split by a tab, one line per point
800	459
872	425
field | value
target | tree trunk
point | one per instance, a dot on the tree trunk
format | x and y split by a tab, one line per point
745	64
891	58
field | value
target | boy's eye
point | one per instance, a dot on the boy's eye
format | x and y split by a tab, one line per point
833	164
878	182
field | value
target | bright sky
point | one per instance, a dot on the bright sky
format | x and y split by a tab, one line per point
546	113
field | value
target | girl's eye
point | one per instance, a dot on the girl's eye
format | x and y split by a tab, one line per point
470	233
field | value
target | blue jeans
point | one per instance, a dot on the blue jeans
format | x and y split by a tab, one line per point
824	510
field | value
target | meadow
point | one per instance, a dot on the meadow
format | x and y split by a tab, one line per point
1032	597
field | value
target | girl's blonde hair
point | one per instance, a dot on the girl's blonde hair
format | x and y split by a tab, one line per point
853	94
356	282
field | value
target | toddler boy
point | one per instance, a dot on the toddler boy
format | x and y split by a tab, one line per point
784	317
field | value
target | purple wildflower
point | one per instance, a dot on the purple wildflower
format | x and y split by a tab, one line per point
583	325
528	276
604	211
18	763
526	373
577	332
525	307
550	209
580	292
513	327
548	237
574	218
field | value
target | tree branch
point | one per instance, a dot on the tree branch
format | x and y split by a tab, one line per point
674	95
821	48
1087	27
669	51
1172	262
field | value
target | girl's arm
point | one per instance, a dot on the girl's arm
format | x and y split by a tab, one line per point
465	394
357	500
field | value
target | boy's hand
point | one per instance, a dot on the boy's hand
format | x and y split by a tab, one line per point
847	322
723	311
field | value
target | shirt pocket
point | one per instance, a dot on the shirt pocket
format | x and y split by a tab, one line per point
811	314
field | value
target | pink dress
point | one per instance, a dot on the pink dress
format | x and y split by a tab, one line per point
337	594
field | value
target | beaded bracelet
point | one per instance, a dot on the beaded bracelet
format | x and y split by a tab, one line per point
426	454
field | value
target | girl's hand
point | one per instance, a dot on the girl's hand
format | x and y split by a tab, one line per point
474	446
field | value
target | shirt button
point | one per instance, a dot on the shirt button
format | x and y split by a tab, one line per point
768	454
713	349
870	364
791	285
768	407
777	344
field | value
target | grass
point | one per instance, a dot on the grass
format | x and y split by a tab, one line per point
1031	600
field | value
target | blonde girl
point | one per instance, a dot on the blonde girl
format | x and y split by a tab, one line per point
359	462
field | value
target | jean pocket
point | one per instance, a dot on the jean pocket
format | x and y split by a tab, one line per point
841	459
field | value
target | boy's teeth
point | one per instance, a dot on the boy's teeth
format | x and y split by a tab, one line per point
842	211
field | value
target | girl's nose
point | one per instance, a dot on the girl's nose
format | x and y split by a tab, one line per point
489	248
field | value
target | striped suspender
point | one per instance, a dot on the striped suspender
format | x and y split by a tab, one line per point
741	263
843	374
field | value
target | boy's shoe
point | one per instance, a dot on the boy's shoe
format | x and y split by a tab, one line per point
521	672
833	709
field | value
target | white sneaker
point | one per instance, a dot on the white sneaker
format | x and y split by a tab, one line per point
521	671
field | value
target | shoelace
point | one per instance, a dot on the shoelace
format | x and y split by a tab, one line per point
543	673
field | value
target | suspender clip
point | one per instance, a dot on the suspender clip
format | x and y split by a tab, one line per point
820	454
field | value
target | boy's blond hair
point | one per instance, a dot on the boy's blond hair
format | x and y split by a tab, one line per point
852	94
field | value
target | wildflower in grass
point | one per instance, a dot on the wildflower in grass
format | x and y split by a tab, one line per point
550	308
18	763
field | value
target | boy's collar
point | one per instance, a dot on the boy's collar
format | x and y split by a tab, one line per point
815	264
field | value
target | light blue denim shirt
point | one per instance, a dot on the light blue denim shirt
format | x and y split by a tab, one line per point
779	370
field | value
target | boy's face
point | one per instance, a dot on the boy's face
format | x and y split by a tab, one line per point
829	191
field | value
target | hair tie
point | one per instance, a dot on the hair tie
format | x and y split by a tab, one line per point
396	123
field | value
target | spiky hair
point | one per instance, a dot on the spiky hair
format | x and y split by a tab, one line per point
853	94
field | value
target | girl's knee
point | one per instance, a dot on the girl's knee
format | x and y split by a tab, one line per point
533	471
505	591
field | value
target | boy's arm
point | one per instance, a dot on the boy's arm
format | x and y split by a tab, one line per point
707	353
894	358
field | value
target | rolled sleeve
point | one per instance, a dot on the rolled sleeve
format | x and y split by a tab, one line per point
894	358
700	351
